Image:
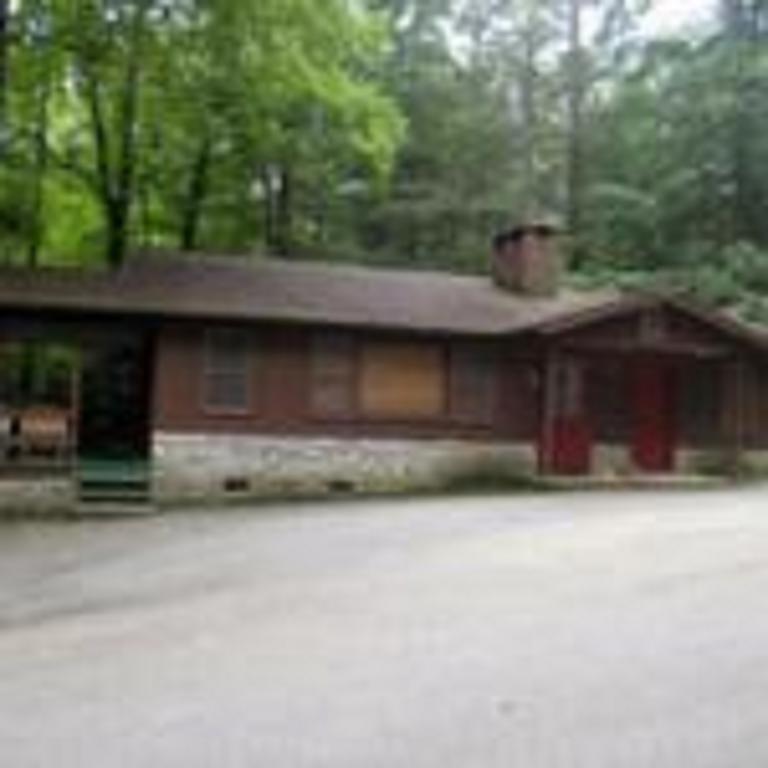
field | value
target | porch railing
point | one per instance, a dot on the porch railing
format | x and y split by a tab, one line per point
36	437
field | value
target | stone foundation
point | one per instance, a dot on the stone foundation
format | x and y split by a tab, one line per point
611	461
217	467
37	497
616	461
713	462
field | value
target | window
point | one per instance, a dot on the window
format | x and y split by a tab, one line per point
333	386
473	385
403	381
227	371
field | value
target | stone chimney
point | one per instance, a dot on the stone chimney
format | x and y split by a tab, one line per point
526	260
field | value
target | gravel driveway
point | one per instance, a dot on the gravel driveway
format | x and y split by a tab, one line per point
597	630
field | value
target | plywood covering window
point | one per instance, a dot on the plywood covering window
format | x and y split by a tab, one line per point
227	371
403	381
334	378
474	387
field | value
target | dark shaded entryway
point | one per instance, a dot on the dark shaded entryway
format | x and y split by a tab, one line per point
115	416
116	420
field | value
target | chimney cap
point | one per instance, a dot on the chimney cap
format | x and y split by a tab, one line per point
543	227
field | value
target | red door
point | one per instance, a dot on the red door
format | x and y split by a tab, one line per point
653	413
571	447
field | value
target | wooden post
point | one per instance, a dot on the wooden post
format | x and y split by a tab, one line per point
549	410
735	417
76	399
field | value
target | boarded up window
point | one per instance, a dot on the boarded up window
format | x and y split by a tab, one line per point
473	385
403	381
227	371
333	375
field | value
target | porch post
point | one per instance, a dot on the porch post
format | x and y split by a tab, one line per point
735	412
549	409
76	400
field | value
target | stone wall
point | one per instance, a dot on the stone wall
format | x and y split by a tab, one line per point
616	461
216	467
37	497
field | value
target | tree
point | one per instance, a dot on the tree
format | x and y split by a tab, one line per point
168	113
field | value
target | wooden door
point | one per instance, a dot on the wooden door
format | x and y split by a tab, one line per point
653	415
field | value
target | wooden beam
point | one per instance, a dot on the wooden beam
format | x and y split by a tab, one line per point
628	348
549	410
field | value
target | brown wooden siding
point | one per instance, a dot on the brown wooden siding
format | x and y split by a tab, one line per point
287	390
754	415
308	387
473	387
701	404
520	400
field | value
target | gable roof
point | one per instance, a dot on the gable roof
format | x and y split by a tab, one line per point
230	288
730	327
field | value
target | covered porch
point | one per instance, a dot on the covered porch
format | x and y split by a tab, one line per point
653	391
75	412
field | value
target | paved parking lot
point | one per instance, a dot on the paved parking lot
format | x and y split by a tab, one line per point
558	631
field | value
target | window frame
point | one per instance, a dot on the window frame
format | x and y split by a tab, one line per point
207	372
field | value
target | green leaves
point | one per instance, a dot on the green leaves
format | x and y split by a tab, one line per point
135	91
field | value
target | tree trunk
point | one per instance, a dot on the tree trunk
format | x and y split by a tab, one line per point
117	232
284	214
42	156
125	182
743	23
197	191
5	63
528	100
116	172
268	208
575	152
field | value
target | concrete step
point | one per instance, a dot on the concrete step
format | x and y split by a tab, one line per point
109	509
651	482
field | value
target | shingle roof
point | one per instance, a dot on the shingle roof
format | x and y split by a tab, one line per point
230	288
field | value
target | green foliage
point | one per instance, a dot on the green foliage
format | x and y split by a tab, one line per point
178	121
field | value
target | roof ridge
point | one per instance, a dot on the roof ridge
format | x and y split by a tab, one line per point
257	259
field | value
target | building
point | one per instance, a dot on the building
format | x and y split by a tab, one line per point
209	377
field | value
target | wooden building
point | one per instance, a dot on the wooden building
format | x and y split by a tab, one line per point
203	377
